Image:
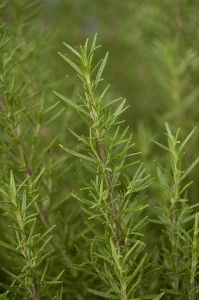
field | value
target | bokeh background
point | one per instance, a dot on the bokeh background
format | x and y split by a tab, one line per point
153	60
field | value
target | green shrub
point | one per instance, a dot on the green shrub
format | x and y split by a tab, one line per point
90	207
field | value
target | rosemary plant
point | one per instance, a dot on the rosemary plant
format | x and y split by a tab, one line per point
28	250
85	220
110	196
179	236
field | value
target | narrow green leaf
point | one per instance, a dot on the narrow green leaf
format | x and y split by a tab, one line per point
94	42
72	104
121	108
77	154
72	50
158	297
137	269
101	68
191	167
161	146
54	117
101	294
71	63
6	245
51	107
187	139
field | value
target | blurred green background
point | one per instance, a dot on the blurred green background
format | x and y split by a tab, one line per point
153	59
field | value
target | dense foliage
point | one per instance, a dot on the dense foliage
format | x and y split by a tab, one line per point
99	194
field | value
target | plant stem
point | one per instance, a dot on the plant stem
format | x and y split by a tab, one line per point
110	186
90	94
174	222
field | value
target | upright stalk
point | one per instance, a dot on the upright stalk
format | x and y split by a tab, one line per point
109	201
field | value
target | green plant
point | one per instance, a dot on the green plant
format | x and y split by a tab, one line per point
179	236
85	220
29	251
111	198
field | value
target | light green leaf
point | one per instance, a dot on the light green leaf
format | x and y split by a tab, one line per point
71	63
191	167
187	139
6	245
72	49
101	68
158	297
71	103
77	154
161	146
101	294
